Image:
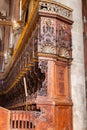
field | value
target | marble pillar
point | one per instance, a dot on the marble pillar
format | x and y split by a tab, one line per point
77	70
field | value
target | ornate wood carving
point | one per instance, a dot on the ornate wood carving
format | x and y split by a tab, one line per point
47	39
55	37
43	64
54	8
43	58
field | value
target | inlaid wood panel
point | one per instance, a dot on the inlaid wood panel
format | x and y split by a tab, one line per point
58	79
61	82
63	118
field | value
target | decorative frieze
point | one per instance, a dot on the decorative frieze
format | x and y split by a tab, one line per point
55	8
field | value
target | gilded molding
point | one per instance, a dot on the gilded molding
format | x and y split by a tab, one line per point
6	23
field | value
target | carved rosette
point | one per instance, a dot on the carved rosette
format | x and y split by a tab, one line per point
43	65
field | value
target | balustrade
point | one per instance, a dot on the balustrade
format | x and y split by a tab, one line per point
20	120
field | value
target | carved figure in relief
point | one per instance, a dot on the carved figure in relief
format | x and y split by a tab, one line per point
48	36
63	35
64	40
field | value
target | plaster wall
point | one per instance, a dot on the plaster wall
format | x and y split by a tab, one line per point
77	69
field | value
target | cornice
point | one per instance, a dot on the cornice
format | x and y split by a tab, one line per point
56	9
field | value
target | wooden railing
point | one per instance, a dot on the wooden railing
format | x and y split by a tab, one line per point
16	120
21	120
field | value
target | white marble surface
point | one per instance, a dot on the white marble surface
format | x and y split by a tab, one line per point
77	68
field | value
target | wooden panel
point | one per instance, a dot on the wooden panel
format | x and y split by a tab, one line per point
58	82
63	118
46	119
61	82
4	119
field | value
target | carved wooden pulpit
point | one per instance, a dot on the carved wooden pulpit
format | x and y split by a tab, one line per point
43	57
55	56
